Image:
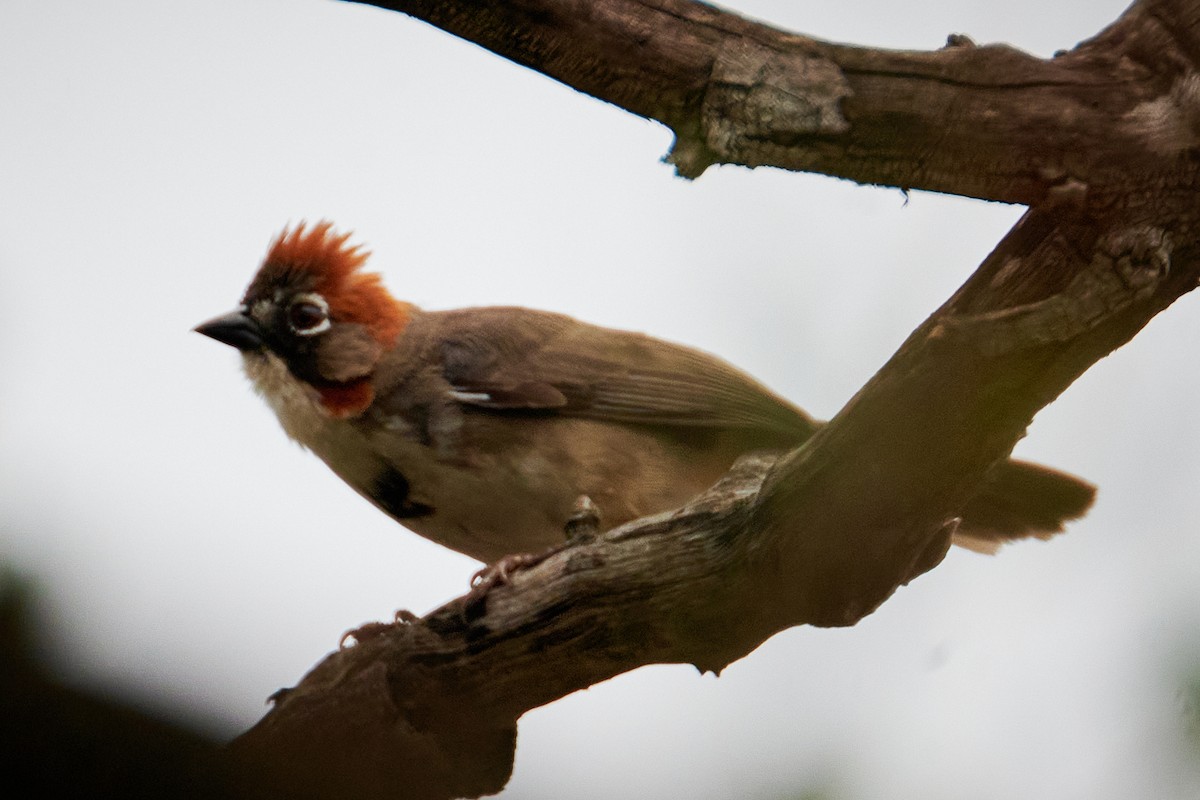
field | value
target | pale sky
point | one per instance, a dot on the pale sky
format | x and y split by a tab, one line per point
189	555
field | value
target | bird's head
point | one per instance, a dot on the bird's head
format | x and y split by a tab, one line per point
312	311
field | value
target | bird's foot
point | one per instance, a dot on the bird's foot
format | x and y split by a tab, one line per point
499	573
362	633
370	630
582	525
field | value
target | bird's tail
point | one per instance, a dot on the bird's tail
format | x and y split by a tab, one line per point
1018	500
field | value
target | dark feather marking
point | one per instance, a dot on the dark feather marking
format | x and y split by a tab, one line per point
391	493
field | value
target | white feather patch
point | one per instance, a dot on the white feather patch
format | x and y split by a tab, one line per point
469	397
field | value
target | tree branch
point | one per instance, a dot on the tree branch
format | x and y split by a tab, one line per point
823	535
988	122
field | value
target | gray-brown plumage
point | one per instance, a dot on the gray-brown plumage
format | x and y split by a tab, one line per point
480	428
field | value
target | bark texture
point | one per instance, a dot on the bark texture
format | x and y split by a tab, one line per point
1100	142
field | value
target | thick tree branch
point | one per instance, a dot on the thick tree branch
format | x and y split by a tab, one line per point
823	535
988	122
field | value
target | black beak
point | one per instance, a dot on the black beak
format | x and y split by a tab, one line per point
235	329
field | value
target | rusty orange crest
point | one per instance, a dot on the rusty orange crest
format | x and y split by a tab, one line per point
335	265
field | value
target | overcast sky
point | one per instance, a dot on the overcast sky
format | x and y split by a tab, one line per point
188	554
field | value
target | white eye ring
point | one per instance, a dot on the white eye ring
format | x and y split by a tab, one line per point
313	300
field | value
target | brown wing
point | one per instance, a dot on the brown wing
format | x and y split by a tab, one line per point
513	359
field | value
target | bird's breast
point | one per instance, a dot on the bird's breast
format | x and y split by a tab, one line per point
488	484
509	483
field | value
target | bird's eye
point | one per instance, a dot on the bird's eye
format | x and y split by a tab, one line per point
308	314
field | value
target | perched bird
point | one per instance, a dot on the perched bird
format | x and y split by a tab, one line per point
482	428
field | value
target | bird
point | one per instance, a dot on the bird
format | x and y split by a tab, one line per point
488	429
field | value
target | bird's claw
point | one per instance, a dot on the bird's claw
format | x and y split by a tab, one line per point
499	573
582	525
362	633
370	630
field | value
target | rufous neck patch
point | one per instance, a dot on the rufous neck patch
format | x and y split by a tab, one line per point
347	399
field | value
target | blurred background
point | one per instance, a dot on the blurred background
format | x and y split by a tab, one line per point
190	559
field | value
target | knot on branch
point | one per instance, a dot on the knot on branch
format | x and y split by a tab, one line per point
1140	256
1170	123
758	101
1127	265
